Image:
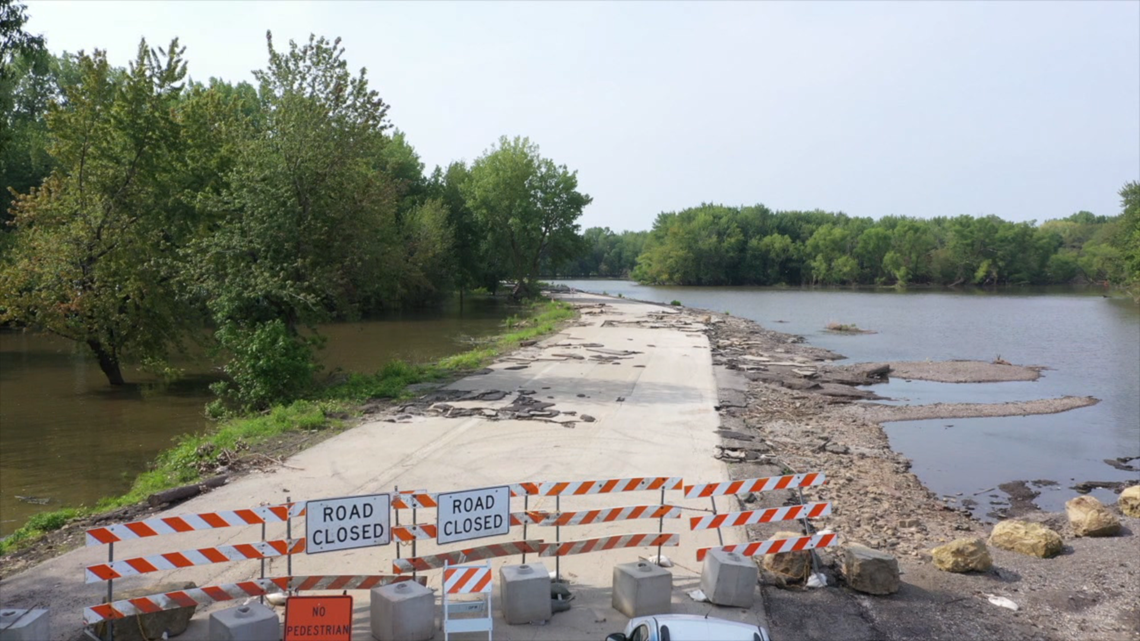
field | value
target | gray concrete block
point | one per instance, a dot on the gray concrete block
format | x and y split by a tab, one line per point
525	591
24	625
252	622
729	579
641	589
403	611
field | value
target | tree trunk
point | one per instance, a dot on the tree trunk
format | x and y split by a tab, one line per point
108	362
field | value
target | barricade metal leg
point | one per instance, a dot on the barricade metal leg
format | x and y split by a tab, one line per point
261	599
110	591
558	538
526	519
660	526
396	490
289	538
810	531
414	520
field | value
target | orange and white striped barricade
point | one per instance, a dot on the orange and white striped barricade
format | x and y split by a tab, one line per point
349	581
558	489
585	546
775	546
111	611
187	558
436	561
467	579
191	522
260	515
411	500
733	519
230	591
743	486
766	484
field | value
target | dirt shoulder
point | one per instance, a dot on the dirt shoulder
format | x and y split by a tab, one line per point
783	408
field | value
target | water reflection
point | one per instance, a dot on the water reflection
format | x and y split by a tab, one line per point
68	436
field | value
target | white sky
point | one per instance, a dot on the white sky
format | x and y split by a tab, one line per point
1027	110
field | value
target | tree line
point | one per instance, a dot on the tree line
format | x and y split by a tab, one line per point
141	205
721	245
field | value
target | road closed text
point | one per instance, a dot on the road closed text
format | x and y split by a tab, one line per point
342	524
474	514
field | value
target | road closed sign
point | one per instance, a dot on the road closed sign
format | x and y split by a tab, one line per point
473	514
346	523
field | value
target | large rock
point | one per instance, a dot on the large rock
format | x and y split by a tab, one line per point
150	626
963	555
1130	501
793	566
1089	517
1033	539
870	571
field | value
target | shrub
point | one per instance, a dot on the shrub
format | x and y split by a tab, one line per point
675	303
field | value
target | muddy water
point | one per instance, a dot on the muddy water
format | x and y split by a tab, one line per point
68	437
1091	345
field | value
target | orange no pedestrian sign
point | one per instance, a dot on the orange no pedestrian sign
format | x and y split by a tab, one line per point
318	618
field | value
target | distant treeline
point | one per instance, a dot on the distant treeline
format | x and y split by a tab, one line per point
719	245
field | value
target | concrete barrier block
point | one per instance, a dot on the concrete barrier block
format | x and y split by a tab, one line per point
525	591
729	579
641	589
403	611
24	625
252	622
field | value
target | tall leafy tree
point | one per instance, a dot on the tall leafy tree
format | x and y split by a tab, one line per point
306	227
93	254
529	207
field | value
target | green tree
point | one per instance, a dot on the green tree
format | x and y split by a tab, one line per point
305	228
1129	235
94	249
529	207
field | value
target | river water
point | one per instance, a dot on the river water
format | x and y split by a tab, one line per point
67	436
1090	345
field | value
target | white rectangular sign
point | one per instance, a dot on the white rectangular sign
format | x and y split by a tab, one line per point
473	514
346	523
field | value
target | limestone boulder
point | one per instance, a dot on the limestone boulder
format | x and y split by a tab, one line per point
871	571
1130	501
792	566
1090	517
1033	539
152	625
963	555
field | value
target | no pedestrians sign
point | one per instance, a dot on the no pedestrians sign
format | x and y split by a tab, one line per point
473	514
346	523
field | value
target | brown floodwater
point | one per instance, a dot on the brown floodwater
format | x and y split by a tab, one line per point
68	437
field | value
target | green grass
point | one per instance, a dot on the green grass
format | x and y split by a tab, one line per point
37	526
180	464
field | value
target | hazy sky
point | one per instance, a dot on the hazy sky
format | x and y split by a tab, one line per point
1027	110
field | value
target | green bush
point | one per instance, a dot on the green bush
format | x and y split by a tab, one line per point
267	365
675	303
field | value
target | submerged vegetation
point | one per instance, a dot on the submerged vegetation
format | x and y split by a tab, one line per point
195	456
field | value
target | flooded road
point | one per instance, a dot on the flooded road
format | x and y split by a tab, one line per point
69	437
1089	343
